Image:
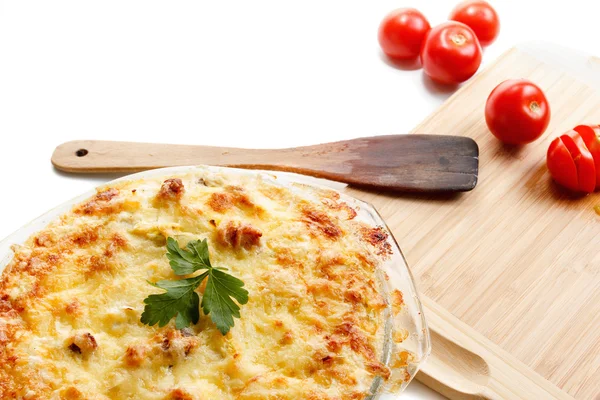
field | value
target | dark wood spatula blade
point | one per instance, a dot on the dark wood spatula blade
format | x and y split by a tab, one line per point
416	163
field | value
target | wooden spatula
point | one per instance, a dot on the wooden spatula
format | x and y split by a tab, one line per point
416	163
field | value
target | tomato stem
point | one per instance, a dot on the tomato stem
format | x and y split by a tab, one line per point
458	39
534	106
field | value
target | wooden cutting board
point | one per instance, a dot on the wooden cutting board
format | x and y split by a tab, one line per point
516	259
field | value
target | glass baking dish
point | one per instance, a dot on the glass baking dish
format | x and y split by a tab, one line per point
411	318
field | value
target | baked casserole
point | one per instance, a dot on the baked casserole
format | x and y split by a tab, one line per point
316	324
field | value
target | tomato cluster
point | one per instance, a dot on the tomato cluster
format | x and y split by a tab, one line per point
450	53
516	111
574	159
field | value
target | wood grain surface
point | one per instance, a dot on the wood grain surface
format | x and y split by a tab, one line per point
516	259
465	365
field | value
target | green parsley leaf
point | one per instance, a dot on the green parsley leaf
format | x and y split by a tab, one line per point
181	299
217	301
185	262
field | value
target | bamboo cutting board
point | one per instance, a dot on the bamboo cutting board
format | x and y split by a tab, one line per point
516	259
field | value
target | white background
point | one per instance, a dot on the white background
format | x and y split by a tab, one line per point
237	73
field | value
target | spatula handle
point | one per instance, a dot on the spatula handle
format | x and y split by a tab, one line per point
96	156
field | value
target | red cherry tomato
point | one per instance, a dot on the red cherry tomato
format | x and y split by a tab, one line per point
591	137
401	33
571	164
586	169
517	111
561	165
451	53
480	16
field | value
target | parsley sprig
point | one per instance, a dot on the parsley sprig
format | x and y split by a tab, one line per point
181	299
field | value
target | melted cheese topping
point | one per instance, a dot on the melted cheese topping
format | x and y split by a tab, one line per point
71	299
